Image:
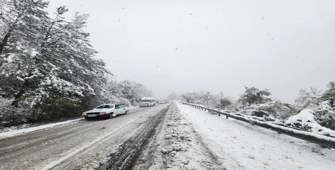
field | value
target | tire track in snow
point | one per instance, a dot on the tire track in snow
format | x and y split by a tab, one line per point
77	150
128	152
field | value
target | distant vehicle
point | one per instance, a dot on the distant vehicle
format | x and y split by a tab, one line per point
163	101
106	111
147	102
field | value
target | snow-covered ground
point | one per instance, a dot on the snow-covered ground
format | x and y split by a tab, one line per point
176	146
240	145
306	120
18	131
302	125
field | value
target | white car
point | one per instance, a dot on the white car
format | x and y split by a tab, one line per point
147	102
106	111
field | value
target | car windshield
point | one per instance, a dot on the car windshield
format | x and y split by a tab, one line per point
104	107
118	106
146	100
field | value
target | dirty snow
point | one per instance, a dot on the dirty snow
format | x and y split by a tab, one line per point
240	145
176	146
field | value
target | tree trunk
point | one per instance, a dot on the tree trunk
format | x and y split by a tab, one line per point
23	89
4	42
17	97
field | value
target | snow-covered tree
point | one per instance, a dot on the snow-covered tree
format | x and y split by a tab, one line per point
203	97
224	102
308	98
127	91
320	104
325	115
22	21
189	97
253	95
133	91
45	59
329	94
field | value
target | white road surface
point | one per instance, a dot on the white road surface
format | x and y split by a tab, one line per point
239	145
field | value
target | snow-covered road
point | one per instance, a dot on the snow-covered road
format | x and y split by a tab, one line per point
80	145
239	145
162	137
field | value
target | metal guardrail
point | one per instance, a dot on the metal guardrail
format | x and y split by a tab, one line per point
324	141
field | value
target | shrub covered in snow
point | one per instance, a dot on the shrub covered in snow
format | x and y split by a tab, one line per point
54	107
277	109
325	115
258	103
270	111
253	95
308	98
321	103
306	120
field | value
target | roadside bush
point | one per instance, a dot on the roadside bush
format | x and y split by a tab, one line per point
259	113
253	95
325	115
11	116
54	108
307	120
278	110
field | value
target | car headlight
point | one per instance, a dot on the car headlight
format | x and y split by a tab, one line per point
83	114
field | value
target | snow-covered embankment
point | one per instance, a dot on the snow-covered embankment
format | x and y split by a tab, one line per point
244	146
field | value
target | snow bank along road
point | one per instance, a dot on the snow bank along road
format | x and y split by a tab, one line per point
176	145
239	145
82	144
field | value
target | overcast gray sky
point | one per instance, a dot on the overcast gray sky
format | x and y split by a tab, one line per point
215	45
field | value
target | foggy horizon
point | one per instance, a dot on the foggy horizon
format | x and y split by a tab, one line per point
185	46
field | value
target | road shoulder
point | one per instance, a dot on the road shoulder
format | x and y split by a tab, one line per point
244	146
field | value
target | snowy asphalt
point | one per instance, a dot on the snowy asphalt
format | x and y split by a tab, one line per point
172	136
79	145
